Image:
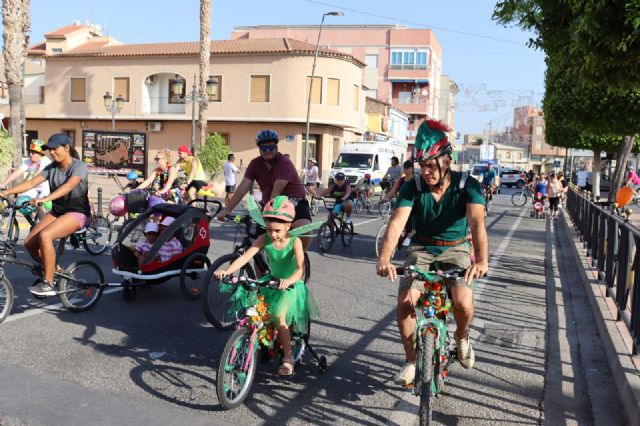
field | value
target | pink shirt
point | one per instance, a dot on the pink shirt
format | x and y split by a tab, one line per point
635	179
282	169
168	250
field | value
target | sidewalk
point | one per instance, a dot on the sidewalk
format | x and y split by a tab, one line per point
625	367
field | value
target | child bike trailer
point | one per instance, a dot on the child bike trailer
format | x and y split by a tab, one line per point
188	225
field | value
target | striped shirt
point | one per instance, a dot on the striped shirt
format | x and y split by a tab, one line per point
168	250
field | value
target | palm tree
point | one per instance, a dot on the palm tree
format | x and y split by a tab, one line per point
16	24
205	53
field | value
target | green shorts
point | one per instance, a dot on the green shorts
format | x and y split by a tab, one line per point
455	257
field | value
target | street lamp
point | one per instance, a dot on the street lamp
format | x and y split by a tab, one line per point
195	96
113	107
305	146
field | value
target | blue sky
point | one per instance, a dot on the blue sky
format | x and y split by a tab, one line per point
492	65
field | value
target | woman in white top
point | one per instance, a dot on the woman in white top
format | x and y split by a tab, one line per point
311	175
554	190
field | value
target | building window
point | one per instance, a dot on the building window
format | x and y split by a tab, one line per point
539	130
217	96
79	89
173	98
507	155
409	59
372	93
260	88
121	87
41	94
371	61
538	145
56	50
333	91
518	156
316	96
356	96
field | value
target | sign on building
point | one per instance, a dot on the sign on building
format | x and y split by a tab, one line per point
487	152
119	151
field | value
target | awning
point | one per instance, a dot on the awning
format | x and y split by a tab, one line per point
407	80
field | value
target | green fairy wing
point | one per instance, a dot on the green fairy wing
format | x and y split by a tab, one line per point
254	211
304	229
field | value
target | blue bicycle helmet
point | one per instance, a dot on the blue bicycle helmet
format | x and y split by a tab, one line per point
132	175
266	135
25	207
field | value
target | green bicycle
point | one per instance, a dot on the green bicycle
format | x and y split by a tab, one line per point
433	352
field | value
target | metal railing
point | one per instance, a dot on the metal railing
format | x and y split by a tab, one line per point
163	105
612	246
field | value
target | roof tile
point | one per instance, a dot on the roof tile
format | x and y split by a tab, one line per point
62	32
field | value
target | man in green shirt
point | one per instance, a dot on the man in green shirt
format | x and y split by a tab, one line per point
444	211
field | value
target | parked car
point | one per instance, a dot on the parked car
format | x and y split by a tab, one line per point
511	178
605	183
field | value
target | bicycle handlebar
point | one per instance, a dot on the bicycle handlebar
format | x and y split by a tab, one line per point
413	272
250	283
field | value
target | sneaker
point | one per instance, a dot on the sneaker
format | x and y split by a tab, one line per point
466	356
43	289
406	375
347	220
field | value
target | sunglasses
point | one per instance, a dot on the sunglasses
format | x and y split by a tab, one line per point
267	148
159	158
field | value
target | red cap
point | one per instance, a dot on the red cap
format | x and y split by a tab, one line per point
184	149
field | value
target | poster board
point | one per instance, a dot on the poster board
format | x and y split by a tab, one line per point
120	152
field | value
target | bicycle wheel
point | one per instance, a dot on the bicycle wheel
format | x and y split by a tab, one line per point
11	230
346	234
6	298
359	206
234	380
380	238
519	198
82	290
307	268
424	374
368	205
97	238
221	312
326	237
384	208
190	281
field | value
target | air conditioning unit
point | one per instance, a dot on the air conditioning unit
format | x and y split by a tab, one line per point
154	126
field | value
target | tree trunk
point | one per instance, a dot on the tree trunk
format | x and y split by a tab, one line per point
595	181
621	166
16	23
205	53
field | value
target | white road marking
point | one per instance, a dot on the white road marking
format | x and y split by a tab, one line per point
366	221
57	307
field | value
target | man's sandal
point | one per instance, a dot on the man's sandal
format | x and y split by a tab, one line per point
286	368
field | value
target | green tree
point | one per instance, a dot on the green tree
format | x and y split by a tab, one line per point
7	149
213	154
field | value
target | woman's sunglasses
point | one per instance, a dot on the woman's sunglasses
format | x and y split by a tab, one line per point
267	148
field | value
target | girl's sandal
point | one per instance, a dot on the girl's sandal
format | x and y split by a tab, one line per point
286	368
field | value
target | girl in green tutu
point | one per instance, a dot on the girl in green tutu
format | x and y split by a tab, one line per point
289	305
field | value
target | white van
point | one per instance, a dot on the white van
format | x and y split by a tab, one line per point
357	158
479	169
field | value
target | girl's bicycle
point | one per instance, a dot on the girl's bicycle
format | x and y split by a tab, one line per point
404	240
433	352
254	333
334	226
217	307
364	201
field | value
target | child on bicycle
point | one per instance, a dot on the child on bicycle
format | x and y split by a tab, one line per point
289	305
341	191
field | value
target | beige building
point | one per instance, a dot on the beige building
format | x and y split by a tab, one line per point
514	156
261	83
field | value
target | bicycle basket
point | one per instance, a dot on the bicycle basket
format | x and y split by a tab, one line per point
136	201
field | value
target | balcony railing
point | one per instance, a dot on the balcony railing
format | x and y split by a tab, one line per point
408	66
408	100
161	105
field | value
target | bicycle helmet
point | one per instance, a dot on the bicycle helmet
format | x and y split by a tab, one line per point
36	146
339	176
132	175
431	143
266	135
313	160
23	203
118	206
367	176
279	208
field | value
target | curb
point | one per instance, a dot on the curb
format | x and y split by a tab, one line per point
625	374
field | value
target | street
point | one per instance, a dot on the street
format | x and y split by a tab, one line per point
153	360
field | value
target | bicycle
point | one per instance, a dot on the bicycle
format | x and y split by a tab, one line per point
432	340
216	305
386	206
238	363
521	197
313	201
77	292
333	226
363	201
486	194
403	241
